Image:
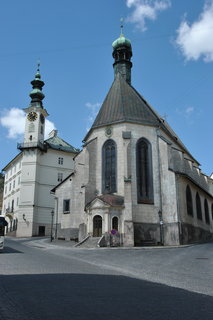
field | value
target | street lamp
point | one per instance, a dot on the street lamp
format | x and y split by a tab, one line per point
52	215
161	227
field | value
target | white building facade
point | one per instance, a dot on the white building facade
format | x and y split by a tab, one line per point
29	177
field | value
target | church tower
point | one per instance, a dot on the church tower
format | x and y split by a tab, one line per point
32	149
35	120
122	53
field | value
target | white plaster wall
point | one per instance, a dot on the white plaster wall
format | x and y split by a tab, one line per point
73	189
168	186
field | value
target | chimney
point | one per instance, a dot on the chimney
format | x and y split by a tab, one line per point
53	133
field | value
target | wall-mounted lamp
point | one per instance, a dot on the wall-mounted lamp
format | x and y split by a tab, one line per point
24	218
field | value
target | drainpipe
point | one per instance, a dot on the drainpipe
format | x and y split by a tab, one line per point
160	212
56	218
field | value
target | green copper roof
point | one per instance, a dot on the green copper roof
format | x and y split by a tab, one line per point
121	41
59	144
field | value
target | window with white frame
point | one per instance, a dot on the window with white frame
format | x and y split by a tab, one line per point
14	183
66	206
60	160
60	176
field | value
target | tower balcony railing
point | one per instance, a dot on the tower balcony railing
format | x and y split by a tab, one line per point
32	145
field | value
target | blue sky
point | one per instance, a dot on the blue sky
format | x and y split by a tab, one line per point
172	59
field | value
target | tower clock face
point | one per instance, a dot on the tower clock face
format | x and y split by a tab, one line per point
41	118
32	116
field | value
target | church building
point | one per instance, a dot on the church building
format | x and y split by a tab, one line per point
29	177
134	182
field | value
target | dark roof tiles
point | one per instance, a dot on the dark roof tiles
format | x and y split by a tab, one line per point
122	104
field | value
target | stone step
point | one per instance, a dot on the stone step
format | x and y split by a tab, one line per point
91	242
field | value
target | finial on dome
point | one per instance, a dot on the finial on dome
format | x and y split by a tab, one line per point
122	25
36	94
38	76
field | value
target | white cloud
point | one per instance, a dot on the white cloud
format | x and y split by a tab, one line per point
190	114
144	10
196	41
189	110
49	126
93	110
14	121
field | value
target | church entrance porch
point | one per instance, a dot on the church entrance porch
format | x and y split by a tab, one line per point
97	226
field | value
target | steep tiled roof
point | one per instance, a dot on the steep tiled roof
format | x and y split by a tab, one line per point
59	144
123	103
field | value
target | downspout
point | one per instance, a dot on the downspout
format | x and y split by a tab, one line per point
56	219
160	213
178	211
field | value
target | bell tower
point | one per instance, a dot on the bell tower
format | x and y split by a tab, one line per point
122	53
35	114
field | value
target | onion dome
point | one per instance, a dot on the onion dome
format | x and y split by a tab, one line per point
121	42
36	94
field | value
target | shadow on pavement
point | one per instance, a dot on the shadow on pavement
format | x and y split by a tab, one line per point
10	250
97	297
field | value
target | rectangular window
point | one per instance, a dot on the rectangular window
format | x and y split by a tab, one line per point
10	187
17	201
60	160
60	176
14	183
66	206
19	179
5	190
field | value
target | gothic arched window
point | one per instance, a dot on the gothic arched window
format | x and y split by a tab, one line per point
198	207
109	166
189	201
144	171
206	207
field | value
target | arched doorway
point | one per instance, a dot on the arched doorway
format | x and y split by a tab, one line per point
97	226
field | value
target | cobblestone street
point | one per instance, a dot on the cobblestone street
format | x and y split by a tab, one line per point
46	281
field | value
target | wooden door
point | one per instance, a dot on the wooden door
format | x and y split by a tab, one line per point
97	226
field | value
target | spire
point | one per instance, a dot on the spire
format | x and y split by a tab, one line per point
36	94
122	53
